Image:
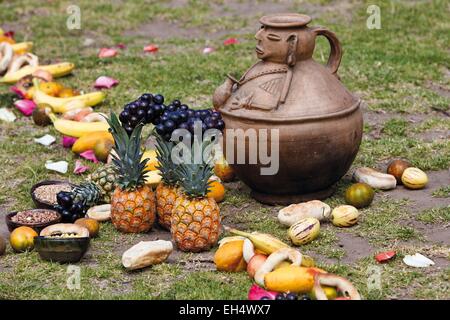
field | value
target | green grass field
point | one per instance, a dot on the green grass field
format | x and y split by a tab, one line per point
401	71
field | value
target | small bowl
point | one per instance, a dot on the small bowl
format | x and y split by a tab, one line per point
41	204
62	250
36	226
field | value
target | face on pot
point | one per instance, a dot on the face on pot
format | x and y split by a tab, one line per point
272	44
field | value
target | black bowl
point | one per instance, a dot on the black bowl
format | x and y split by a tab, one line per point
36	226
62	250
41	204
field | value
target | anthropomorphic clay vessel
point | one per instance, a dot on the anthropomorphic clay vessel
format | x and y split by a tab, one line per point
318	120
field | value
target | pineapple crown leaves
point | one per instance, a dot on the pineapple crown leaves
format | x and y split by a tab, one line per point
128	161
194	178
165	163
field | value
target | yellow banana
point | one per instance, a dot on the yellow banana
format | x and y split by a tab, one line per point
62	105
77	129
22	47
57	70
268	244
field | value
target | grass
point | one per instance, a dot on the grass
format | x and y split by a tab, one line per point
392	69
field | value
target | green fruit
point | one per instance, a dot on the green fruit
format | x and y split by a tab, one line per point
2	246
40	115
359	195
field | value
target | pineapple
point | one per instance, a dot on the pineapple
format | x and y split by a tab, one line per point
166	191
133	204
195	224
105	179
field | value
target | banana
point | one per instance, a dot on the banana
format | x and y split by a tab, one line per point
268	244
22	47
77	129
62	105
57	70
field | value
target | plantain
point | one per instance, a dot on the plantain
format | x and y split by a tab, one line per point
75	128
268	244
62	105
57	70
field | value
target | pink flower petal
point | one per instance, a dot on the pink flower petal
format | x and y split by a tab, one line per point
152	48
68	142
17	91
80	168
105	82
121	46
89	155
107	53
208	50
230	41
25	106
256	293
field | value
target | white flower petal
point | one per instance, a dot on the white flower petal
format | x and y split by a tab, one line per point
418	261
46	140
7	115
59	166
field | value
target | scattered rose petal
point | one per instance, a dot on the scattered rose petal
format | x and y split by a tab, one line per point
105	82
25	106
418	261
107	53
7	115
121	46
68	142
256	293
59	166
385	256
89	155
9	34
46	140
208	50
17	91
230	41
152	48
80	168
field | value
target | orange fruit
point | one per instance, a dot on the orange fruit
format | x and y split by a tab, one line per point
51	88
92	225
223	170
216	191
67	93
22	239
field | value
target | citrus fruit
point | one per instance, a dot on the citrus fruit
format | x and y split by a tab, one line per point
22	239
92	225
216	191
359	195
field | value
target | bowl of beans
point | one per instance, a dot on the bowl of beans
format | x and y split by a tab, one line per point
44	193
37	219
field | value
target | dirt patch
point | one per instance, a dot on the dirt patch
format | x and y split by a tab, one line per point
422	199
355	247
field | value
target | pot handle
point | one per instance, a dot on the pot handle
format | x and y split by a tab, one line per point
334	60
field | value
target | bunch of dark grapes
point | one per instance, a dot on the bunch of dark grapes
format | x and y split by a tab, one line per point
168	118
289	296
70	211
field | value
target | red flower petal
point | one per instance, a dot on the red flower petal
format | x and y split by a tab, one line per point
152	48
80	168
68	142
121	46
385	256
230	41
107	53
89	155
9	34
25	106
105	82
